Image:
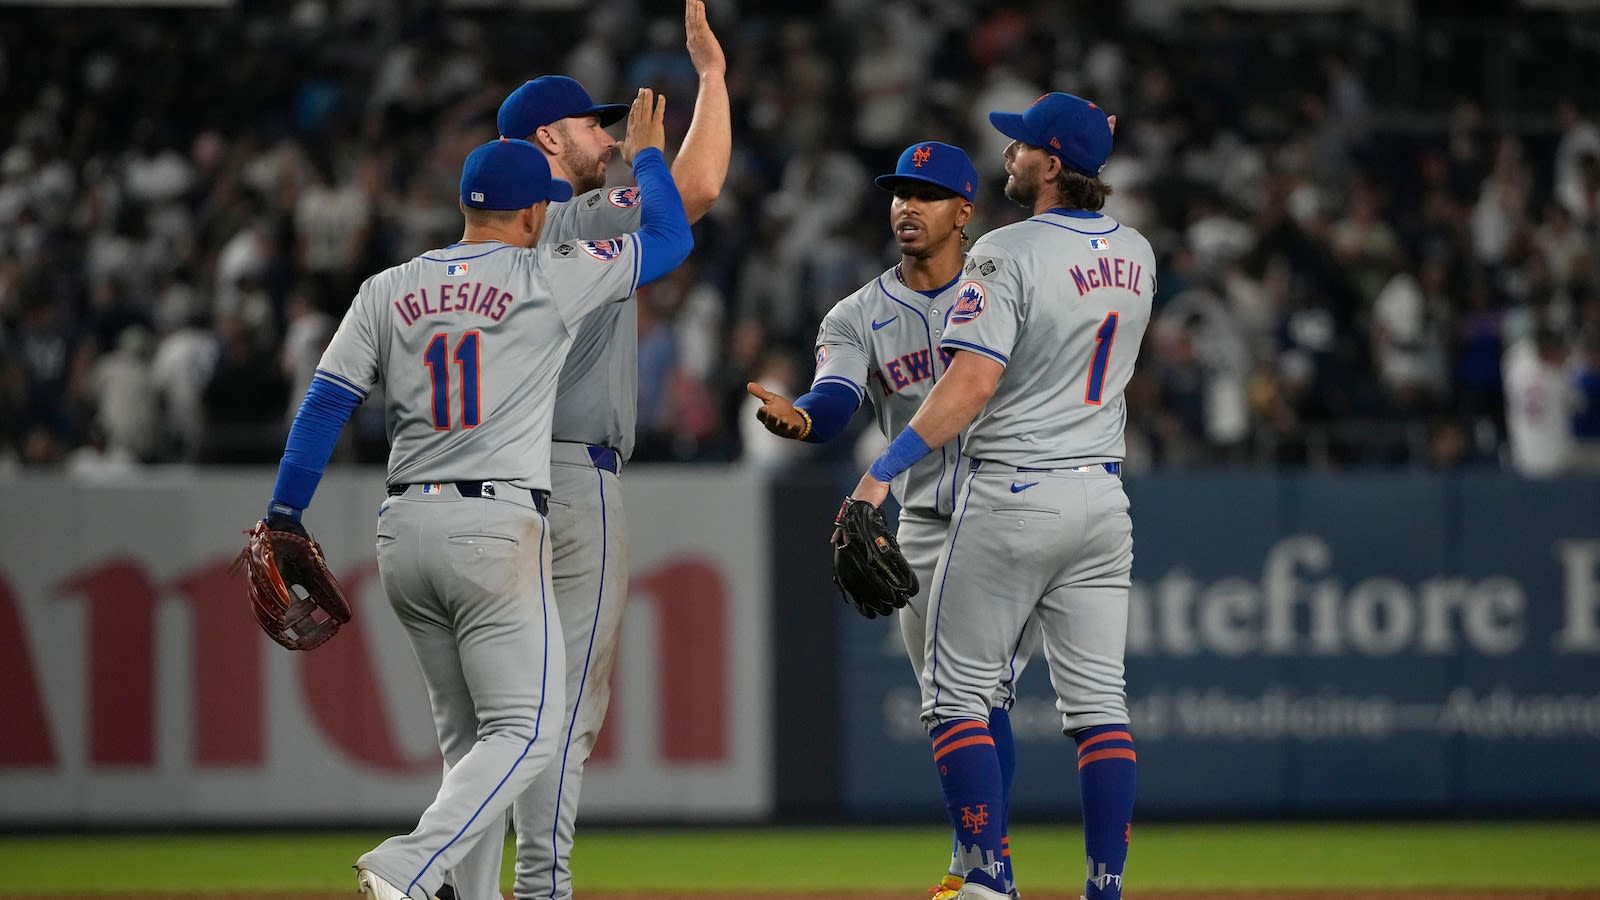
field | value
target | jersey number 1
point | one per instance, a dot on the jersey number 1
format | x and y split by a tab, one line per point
467	357
1103	337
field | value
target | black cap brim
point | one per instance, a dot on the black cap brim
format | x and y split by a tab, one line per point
609	113
890	182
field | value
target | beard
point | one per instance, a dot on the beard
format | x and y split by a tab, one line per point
1022	191
584	170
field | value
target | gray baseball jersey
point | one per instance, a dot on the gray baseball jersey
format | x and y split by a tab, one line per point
597	398
1062	300
882	343
469	341
597	404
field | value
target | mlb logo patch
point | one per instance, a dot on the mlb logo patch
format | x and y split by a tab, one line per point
605	251
970	300
455	269
434	488
1099	244
477	196
624	197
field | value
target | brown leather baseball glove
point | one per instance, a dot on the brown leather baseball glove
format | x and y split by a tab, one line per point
297	601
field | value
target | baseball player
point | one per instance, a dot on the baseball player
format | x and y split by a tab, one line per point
469	341
595	419
881	344
1046	325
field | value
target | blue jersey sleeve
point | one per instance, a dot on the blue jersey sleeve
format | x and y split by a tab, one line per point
664	236
322	414
830	404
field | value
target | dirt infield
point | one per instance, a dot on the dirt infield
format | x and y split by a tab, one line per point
1414	894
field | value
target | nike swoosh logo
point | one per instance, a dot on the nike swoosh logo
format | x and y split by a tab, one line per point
877	325
1019	488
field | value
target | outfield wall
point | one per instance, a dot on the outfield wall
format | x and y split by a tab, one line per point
1375	644
1301	646
138	690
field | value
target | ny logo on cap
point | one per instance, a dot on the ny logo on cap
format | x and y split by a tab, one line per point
921	155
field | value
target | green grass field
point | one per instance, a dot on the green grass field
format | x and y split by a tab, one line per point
1527	856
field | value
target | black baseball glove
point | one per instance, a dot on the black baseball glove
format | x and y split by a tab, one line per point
867	563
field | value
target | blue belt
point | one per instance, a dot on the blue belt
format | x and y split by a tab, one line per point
605	458
485	489
1114	468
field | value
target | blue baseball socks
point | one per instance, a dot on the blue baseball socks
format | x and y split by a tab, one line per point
1106	767
1005	747
974	797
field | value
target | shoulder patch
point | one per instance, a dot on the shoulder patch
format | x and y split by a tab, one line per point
822	354
565	250
605	251
591	201
970	302
624	197
981	266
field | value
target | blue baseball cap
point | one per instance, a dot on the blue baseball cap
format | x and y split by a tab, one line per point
1069	128
931	162
509	174
551	98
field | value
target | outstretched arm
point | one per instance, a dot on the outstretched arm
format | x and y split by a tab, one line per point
951	406
816	417
701	166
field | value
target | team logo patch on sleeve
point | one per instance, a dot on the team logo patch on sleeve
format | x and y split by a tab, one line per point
970	302
624	197
822	354
605	251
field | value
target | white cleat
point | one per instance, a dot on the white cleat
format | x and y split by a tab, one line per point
374	887
970	891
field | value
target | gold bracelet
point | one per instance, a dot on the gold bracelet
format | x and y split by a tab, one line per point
807	430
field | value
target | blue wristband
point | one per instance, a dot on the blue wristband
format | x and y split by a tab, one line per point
902	453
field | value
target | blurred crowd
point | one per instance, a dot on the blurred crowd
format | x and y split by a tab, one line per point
1350	274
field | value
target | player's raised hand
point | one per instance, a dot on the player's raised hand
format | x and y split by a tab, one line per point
704	49
647	124
778	414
